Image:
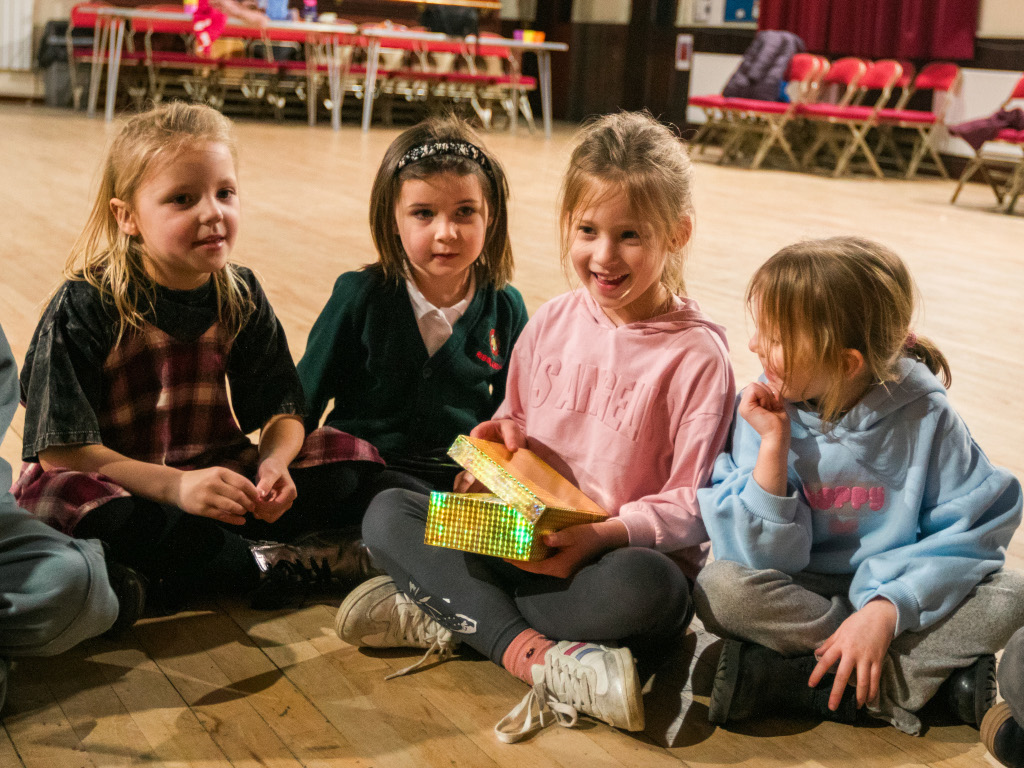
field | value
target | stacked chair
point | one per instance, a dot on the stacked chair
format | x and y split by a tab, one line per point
844	126
83	17
942	79
990	161
837	112
744	118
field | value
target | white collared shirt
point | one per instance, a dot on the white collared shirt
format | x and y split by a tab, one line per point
436	323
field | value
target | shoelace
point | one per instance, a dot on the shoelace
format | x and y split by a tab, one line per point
559	698
418	626
316	574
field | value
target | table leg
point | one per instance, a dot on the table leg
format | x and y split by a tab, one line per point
544	70
370	84
99	42
334	81
114	64
517	68
345	58
311	82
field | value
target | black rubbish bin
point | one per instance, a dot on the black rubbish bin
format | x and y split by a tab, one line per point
53	61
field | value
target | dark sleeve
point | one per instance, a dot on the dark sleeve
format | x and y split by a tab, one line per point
321	367
517	315
62	379
261	372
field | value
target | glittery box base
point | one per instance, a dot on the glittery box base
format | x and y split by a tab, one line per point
482	523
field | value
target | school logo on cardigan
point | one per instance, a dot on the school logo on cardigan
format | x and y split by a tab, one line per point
484	357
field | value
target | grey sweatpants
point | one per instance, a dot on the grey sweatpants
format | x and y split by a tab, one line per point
1011	675
795	614
54	591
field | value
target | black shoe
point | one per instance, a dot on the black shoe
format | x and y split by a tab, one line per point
130	588
1003	736
291	584
971	692
752	680
326	565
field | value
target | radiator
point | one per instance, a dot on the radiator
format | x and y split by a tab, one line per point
16	34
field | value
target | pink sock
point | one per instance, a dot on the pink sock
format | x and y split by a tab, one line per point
528	648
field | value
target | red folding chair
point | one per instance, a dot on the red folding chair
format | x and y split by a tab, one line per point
845	126
713	107
770	118
858	118
987	158
838	87
942	79
1015	186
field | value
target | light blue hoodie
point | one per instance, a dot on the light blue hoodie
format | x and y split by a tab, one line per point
898	494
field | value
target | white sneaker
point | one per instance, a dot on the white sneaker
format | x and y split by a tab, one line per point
377	615
578	677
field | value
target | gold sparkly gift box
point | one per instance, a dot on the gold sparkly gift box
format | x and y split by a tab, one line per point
529	499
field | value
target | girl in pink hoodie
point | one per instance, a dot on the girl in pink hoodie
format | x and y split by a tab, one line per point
625	387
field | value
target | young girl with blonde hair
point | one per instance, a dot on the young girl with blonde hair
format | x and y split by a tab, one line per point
856	525
130	436
625	387
413	350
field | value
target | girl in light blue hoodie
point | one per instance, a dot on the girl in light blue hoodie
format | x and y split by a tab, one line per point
858	530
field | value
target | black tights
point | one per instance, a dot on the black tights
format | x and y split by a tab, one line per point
189	555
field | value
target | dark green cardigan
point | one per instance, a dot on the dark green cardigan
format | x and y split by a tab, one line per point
366	352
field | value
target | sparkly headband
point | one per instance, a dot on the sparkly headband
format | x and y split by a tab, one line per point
456	148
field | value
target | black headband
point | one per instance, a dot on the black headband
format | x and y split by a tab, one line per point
456	148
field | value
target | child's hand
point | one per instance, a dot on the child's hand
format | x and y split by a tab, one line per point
764	411
504	431
859	645
576	547
275	490
215	492
466	483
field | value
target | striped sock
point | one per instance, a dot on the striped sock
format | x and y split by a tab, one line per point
528	648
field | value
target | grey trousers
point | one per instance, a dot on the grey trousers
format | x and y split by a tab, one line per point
1011	675
795	614
54	591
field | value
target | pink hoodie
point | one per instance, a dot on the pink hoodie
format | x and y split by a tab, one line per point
635	415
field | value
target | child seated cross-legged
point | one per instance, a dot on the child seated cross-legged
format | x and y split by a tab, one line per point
858	530
130	435
413	350
625	387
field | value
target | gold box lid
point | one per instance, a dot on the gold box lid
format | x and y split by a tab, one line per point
521	479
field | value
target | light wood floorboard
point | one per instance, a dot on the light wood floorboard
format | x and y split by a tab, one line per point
222	685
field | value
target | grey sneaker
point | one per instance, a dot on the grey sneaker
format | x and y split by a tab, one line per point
376	614
578	677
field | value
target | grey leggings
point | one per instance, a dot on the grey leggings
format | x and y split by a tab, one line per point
795	614
633	595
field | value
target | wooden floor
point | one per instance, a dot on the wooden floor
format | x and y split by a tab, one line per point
224	685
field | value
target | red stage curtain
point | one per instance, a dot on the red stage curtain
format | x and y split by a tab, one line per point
807	18
898	29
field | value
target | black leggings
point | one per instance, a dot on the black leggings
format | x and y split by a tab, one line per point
634	596
189	555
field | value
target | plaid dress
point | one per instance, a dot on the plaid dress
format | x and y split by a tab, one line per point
165	400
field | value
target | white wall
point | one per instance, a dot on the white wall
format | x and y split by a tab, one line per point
601	11
1001	18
